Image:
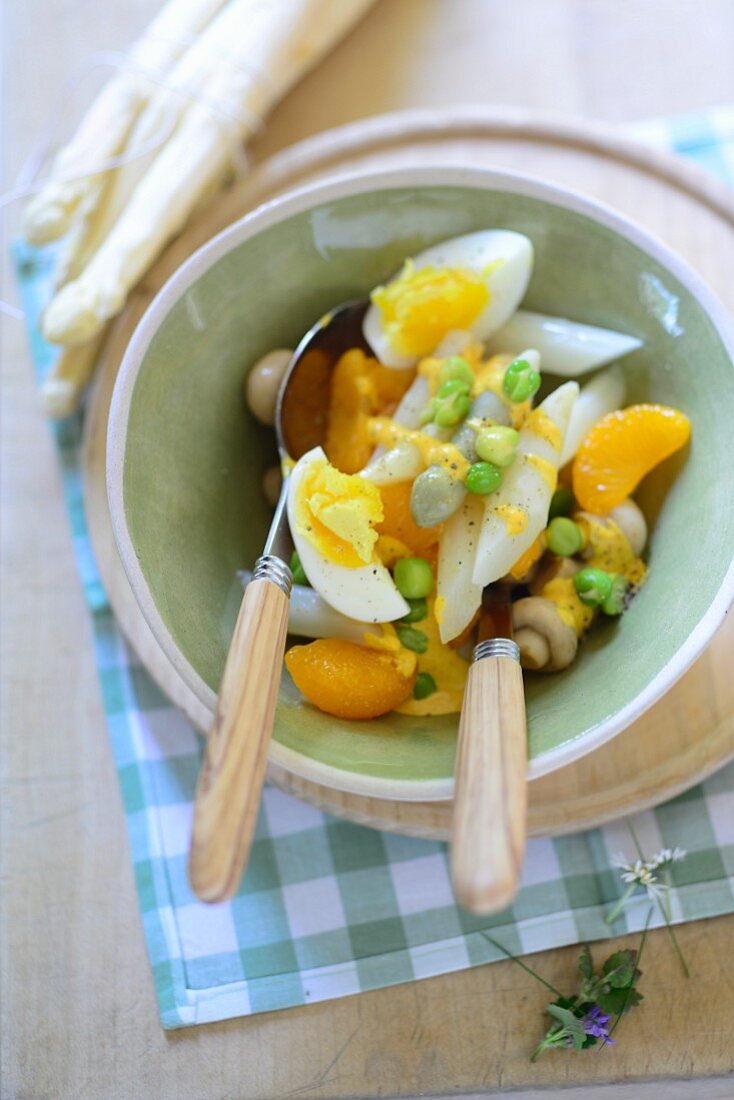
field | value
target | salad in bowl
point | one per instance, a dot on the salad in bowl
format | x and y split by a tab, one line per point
460	454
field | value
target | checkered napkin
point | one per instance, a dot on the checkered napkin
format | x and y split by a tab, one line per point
328	908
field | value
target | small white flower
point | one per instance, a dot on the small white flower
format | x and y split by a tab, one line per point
667	856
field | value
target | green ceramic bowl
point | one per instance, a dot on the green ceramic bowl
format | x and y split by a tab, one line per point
185	458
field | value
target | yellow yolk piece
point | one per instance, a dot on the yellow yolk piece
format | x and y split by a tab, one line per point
386	433
337	514
418	308
444	664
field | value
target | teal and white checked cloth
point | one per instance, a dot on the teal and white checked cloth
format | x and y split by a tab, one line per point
328	908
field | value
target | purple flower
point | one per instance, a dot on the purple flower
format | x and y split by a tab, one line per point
595	1023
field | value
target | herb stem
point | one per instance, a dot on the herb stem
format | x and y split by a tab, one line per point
614	913
630	987
522	964
668	918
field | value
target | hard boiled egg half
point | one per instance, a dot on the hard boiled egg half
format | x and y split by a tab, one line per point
332	517
472	283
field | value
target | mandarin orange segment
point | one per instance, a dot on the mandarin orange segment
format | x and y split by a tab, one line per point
348	680
398	523
621	449
360	388
347	442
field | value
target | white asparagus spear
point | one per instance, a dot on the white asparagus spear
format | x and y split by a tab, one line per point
287	38
310	616
517	512
567	348
63	385
456	559
221	43
602	395
102	132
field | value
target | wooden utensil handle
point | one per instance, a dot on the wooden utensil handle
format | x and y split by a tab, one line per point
490	790
233	769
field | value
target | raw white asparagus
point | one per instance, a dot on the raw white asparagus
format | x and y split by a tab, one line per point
600	396
567	348
310	616
287	38
457	555
102	132
220	44
524	488
69	376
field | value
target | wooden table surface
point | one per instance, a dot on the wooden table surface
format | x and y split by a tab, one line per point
78	1006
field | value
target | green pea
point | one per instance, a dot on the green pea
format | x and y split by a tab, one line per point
520	381
424	685
562	503
411	638
299	573
497	444
455	367
451	410
418	612
615	602
413	578
483	478
564	537
453	385
429	412
593	586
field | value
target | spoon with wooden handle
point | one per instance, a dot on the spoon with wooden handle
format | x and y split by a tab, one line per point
490	787
233	769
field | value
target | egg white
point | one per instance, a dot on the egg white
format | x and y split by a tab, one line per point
506	284
367	593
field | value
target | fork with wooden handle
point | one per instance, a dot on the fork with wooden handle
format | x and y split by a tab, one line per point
490	788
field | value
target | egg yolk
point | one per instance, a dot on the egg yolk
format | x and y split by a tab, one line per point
337	514
418	308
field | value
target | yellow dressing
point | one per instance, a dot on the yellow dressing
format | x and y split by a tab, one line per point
444	664
404	659
390	550
570	608
540	424
430	367
610	549
545	468
433	452
515	519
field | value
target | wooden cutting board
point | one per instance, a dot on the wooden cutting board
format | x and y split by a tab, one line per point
690	732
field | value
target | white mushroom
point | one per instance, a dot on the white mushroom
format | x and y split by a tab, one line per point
263	382
547	644
631	522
